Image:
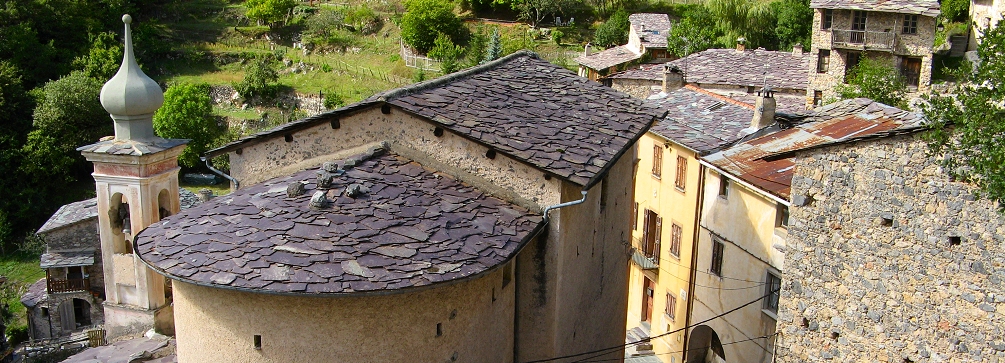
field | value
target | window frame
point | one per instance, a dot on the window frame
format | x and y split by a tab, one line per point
723	187
823	60
772	292
680	180
910	24
657	161
827	19
781	216
635	217
676	235
671	307
718	252
652	250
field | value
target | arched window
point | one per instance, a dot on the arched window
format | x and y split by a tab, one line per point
120	222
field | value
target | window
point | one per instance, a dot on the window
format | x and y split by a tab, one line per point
635	217
828	19
681	179
818	98
653	226
858	27
823	61
675	236
772	285
671	307
851	62
717	250
782	216
910	24
657	160
723	186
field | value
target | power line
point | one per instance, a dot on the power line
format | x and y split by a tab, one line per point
712	287
622	346
680	351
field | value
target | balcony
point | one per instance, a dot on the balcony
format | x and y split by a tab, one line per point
863	40
67	285
646	258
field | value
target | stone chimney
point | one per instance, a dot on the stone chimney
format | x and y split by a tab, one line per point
764	109
797	50
673	78
741	44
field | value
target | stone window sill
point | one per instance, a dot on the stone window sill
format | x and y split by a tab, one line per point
770	314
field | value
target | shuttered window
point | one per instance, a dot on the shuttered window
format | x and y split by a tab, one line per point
681	178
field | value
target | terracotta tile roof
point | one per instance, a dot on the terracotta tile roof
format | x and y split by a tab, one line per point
753	161
651	28
608	58
701	120
747	68
920	7
71	214
408	227
522	106
131	147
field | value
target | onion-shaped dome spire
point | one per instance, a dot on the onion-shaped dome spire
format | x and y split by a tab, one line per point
131	97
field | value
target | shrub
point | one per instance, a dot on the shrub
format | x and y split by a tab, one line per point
332	99
427	19
447	53
187	113
614	31
363	19
259	80
556	36
877	81
269	12
955	10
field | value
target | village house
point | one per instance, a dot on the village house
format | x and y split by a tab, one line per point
900	33
735	73
745	222
890	259
984	14
647	41
667	192
475	217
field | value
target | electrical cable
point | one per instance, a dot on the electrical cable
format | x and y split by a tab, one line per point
681	351
621	346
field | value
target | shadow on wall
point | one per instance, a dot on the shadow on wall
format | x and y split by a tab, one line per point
704	346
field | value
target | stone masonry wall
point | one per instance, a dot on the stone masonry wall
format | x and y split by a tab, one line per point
638	88
872	273
76	237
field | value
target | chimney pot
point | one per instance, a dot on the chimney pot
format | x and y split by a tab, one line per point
797	49
673	78
741	44
764	109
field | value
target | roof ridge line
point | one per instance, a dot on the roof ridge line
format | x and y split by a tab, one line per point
720	97
421	86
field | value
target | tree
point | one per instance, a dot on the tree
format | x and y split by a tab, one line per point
614	31
269	12
187	113
877	81
494	49
424	20
695	32
794	21
535	11
447	53
752	20
955	10
103	59
259	80
967	128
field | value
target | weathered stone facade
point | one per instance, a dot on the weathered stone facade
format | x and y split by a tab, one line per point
917	45
983	15
889	260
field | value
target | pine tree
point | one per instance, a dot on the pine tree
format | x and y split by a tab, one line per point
494	50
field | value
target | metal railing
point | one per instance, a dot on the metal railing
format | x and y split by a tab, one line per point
863	40
67	285
645	259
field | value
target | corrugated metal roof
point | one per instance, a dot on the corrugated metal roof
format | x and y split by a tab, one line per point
752	160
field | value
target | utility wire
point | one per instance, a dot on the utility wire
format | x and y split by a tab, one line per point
621	346
679	351
712	287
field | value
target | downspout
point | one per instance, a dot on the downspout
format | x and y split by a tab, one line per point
694	255
563	205
237	184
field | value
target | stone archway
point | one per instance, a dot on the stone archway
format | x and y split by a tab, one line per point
704	346
74	314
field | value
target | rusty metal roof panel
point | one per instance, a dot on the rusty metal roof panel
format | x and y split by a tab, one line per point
751	160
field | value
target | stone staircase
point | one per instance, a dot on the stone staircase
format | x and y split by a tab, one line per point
640	334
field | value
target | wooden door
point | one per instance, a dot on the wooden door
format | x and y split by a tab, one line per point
67	323
910	68
648	289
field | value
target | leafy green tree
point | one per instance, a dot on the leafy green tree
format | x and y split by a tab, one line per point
494	48
536	11
955	10
363	19
68	110
447	53
103	59
259	80
269	12
614	31
556	36
332	99
877	81
695	32
794	21
967	127
187	113
424	20
752	20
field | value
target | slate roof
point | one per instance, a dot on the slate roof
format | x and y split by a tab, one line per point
608	58
746	68
410	227
132	147
786	103
67	258
37	293
521	106
647	71
651	28
70	214
701	120
920	7
756	161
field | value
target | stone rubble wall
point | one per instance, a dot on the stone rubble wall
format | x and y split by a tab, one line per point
871	274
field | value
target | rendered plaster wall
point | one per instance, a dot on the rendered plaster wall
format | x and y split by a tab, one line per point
897	291
503	176
907	45
476	317
674	206
744	221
